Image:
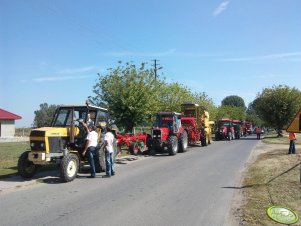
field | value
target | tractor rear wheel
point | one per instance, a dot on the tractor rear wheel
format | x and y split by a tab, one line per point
183	142
69	167
172	145
26	168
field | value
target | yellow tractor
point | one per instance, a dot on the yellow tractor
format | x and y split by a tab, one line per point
63	142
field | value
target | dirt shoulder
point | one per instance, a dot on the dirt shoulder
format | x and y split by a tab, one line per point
270	177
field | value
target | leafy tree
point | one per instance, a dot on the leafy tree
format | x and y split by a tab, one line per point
234	101
231	112
277	105
43	116
129	93
252	116
171	96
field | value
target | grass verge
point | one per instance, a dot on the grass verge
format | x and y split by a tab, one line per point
9	155
273	179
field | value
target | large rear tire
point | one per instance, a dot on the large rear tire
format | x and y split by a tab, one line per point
69	167
172	145
183	142
26	168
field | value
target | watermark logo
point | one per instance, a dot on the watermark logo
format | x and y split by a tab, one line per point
282	215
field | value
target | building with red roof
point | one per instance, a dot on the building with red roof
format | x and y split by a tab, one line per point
7	123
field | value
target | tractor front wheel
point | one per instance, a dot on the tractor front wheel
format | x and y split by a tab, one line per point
26	168
134	148
183	142
172	145
69	167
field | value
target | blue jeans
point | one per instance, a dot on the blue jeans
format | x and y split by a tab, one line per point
292	148
91	153
109	164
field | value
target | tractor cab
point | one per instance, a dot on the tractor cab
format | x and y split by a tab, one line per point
169	120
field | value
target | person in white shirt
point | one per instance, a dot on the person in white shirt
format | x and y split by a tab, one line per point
109	150
90	147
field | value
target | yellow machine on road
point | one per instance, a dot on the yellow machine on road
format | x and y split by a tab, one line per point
62	142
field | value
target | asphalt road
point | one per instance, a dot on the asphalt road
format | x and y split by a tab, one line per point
192	188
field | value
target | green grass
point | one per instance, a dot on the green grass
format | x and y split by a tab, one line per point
9	154
272	138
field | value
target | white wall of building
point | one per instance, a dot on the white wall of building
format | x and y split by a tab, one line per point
7	128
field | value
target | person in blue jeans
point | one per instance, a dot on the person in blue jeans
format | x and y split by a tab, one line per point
90	147
109	150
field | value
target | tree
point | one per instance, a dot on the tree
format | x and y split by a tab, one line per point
43	116
277	105
171	96
234	101
130	94
252	117
231	112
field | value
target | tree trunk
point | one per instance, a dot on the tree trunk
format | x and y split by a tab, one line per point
279	132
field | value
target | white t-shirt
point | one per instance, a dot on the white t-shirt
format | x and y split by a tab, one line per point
109	137
92	137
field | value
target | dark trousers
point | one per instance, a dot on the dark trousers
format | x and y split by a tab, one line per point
109	164
258	136
91	152
292	148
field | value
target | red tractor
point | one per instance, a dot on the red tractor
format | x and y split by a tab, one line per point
168	134
224	129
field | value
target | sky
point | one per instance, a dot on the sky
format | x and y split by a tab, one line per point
51	51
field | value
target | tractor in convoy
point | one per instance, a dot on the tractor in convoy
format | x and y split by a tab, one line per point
195	121
224	129
238	130
62	142
249	127
168	135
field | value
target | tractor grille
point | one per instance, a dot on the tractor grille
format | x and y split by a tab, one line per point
37	145
157	134
54	144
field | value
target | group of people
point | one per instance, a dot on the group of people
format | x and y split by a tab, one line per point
90	149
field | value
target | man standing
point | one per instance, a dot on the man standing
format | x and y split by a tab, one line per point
90	147
109	150
258	132
292	148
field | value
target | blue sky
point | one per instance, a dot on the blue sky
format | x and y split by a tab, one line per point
51	51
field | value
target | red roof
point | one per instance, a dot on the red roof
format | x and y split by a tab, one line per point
8	115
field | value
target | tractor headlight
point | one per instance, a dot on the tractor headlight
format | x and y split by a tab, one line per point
42	145
32	144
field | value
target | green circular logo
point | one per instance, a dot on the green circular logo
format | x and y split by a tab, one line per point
282	215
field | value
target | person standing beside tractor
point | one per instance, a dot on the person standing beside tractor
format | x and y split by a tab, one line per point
109	150
292	148
90	147
258	132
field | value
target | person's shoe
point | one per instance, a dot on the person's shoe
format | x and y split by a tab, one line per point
106	176
91	176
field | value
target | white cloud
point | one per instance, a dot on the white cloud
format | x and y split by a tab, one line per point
222	7
60	78
77	70
279	56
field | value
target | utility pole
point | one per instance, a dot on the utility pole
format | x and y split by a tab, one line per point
156	69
